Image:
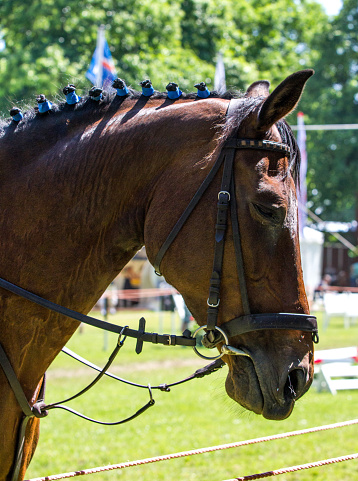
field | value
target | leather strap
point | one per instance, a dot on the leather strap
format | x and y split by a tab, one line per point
235	143
29	412
165	339
259	322
183	218
20	448
14	383
204	371
232	107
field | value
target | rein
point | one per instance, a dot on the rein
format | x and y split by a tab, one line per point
40	409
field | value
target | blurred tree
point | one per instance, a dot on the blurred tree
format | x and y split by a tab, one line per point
331	97
50	42
258	38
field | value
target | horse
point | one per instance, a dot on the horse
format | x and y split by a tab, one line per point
84	186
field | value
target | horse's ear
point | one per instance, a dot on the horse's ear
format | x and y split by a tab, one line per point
283	99
258	89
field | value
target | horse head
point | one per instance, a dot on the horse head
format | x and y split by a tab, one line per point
278	366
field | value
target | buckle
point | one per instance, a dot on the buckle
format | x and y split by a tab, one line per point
213	305
226	193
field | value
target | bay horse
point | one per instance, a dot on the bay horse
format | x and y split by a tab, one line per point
85	186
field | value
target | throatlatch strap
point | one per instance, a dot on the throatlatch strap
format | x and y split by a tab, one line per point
183	218
231	109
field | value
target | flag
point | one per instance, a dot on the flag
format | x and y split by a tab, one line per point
302	193
101	70
219	81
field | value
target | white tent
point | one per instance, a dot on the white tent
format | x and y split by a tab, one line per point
311	243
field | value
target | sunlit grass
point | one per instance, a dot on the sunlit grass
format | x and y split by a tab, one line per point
193	415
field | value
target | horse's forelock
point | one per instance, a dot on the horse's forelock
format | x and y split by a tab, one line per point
288	138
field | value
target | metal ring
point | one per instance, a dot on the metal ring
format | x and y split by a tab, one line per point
207	357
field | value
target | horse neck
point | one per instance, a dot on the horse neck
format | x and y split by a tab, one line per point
77	211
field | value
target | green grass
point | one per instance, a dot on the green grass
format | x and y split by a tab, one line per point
193	415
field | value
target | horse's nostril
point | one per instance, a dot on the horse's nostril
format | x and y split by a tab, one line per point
295	383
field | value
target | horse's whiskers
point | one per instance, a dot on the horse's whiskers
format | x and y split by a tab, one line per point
290	386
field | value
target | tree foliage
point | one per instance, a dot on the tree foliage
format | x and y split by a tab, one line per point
49	43
332	98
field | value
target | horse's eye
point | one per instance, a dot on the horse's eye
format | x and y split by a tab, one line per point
267	214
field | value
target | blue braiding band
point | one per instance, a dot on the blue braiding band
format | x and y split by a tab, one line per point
174	94
45	106
72	98
147	92
96	93
16	114
203	91
17	117
121	87
203	94
122	92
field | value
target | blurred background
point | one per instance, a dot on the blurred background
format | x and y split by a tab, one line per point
44	45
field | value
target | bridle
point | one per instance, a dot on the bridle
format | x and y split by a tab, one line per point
215	334
226	199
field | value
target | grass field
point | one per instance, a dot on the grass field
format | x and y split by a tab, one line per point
194	415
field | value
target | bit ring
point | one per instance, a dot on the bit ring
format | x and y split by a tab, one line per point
223	333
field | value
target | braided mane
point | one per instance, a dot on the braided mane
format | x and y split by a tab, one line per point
111	101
